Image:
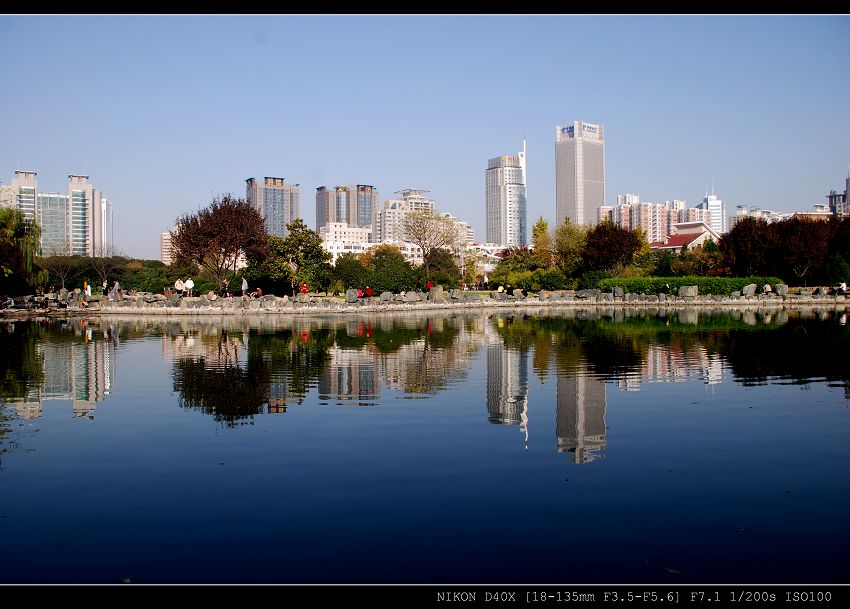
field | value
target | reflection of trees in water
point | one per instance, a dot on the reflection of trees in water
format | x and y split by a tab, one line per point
278	368
20	374
757	345
800	350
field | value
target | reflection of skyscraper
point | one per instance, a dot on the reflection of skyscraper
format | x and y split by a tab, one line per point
580	417
350	376
507	383
83	372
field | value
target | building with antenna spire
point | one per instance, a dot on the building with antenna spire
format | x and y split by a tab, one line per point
506	200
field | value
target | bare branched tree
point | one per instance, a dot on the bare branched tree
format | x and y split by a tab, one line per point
430	232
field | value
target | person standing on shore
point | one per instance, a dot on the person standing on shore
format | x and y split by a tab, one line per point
244	286
179	286
189	285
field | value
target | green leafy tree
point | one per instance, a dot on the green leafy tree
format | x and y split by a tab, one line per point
349	271
298	258
388	270
542	241
569	242
444	268
19	246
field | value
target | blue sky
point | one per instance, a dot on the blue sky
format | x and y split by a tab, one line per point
164	112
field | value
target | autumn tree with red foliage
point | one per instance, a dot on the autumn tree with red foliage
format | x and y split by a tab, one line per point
609	245
214	237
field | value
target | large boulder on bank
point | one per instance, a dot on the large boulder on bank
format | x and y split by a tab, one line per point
688	290
386	296
436	293
411	297
781	289
586	294
302	298
618	292
749	290
351	295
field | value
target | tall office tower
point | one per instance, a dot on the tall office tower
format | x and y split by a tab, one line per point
25	185
579	172
356	205
279	203
505	197
714	205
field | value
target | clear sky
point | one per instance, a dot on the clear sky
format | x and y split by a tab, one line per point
163	112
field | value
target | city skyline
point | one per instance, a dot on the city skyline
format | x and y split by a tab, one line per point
678	115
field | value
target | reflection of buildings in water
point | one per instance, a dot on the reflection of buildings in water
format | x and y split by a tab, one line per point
580	416
420	366
670	364
507	383
350	376
83	372
218	349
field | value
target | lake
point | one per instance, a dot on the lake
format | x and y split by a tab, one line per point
591	445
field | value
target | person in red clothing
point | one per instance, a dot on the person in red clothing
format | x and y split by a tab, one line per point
359	293
429	285
369	291
304	288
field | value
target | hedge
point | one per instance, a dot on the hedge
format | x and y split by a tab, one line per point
721	286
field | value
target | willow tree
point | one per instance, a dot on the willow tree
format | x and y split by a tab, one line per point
216	236
19	245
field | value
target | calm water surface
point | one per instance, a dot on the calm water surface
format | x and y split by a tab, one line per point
611	447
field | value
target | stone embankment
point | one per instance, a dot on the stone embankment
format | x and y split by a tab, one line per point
437	298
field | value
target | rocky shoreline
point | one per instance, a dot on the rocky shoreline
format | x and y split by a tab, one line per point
435	300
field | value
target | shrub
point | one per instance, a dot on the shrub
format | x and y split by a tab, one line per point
721	286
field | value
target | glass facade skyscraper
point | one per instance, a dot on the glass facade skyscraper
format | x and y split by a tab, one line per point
579	172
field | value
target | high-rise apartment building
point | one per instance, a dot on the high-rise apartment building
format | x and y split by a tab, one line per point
166	249
356	205
278	202
389	221
505	196
579	172
77	222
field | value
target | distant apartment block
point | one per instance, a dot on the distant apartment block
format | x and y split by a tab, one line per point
76	222
839	202
166	252
355	205
579	172
655	219
278	202
505	200
389	221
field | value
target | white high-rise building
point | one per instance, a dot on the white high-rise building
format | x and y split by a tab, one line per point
579	172
77	222
506	192
719	222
